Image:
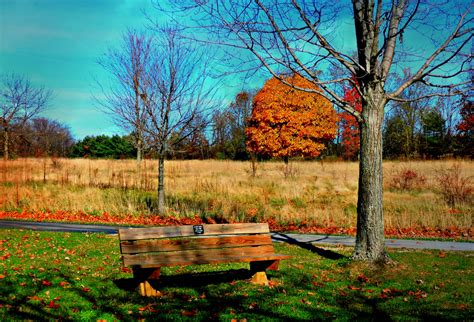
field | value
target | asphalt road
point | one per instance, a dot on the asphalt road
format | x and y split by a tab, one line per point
277	237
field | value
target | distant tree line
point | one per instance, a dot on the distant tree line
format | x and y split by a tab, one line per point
417	130
104	146
411	131
427	129
38	137
429	132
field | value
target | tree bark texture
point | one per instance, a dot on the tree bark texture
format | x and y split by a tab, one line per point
138	125
139	151
161	185
370	242
253	160
139	161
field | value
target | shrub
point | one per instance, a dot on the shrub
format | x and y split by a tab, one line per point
289	170
407	179
56	163
454	187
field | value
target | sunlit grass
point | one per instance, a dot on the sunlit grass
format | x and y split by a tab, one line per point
79	277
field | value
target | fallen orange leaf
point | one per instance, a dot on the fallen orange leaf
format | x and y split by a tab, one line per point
189	313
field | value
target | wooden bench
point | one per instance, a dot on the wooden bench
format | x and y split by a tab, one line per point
146	250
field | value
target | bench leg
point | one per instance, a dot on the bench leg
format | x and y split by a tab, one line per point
259	278
142	276
258	269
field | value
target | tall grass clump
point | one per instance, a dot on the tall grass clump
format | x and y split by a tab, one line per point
454	187
407	179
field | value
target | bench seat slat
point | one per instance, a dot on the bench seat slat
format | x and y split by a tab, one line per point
196	256
167	245
216	260
183	231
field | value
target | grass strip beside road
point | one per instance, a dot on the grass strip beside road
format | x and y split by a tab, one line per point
45	275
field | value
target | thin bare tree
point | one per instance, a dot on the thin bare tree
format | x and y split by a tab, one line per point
176	95
304	37
127	66
19	102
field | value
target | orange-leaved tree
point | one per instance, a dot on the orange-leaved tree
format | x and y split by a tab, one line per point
287	122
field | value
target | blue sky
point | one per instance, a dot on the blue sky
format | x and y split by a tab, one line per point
56	44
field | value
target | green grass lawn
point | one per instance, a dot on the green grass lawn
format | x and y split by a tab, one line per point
79	277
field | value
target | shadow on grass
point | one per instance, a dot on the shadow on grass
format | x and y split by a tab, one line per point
193	280
220	294
329	254
21	307
207	296
359	305
75	301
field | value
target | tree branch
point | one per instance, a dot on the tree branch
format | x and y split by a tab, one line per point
421	71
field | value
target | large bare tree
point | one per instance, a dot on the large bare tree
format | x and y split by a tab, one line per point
176	95
128	66
19	102
306	36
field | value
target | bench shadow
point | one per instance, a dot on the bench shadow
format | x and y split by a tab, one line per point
329	254
188	279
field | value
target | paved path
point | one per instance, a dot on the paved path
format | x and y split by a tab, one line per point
390	243
279	237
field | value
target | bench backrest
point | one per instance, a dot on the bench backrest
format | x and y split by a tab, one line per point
198	244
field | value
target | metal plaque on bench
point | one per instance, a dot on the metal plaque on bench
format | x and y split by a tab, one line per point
198	229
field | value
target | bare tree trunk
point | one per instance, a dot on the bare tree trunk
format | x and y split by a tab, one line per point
254	164
138	129
161	184
139	162
139	154
370	243
6	138
286	170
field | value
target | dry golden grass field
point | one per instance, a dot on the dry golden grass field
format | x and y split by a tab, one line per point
435	194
